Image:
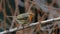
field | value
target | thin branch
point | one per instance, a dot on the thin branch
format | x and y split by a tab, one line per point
16	10
10	7
4	12
32	24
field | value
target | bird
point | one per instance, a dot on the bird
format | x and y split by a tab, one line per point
23	18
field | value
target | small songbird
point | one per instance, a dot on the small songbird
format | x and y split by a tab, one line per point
23	18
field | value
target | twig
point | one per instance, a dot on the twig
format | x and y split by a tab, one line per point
4	12
33	24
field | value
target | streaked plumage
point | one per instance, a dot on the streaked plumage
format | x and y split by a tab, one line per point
23	18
